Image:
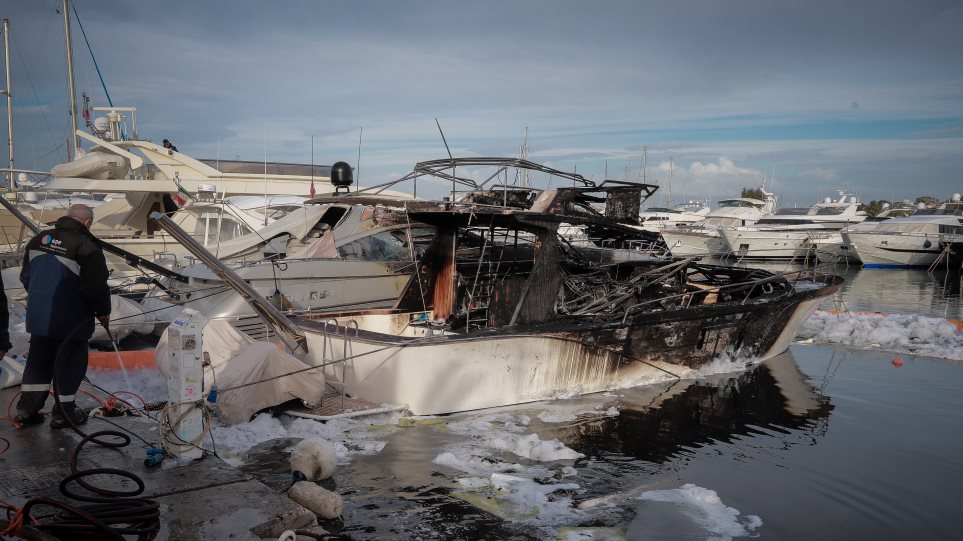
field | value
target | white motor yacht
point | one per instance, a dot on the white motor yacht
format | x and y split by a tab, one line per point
703	238
913	241
789	233
658	218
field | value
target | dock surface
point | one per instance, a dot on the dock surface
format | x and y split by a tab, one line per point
204	499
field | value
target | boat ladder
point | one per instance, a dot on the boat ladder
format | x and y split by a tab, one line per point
483	285
333	332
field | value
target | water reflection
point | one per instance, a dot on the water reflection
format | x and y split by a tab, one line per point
658	423
903	291
899	291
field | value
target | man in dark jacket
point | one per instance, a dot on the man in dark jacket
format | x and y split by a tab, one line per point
65	275
4	324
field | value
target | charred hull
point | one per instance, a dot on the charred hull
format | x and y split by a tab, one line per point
437	374
694	336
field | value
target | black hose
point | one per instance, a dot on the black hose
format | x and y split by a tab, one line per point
112	514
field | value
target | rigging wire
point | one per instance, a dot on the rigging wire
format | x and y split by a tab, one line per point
92	57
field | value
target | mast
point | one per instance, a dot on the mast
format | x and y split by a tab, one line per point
70	83
8	91
523	154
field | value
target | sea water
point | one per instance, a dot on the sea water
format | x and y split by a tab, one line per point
833	439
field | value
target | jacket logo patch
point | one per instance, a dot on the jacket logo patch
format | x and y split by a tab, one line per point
48	240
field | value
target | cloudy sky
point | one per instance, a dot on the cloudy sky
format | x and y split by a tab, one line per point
865	95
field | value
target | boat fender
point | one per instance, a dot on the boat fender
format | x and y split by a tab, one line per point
313	459
320	501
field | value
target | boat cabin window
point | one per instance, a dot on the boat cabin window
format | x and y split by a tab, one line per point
382	246
951	229
212	227
723	221
733	203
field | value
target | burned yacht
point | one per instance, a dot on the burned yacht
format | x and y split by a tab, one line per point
500	310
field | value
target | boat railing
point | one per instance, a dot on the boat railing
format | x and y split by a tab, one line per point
812	274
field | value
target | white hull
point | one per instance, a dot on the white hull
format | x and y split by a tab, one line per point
695	243
435	375
833	247
767	244
895	250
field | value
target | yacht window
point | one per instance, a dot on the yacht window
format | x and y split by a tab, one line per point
383	246
212	228
951	229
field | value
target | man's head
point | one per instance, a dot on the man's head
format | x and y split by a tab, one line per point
82	213
167	143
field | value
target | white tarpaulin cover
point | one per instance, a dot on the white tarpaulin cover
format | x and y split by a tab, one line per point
237	360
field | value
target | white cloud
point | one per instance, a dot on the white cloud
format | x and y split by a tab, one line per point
722	178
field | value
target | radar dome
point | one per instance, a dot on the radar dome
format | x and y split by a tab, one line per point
828	200
101	123
956	198
921	206
341	175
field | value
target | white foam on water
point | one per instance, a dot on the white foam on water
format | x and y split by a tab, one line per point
920	335
551	507
501	432
473	460
350	437
704	507
562	413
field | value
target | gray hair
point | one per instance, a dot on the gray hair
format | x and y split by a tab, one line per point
81	213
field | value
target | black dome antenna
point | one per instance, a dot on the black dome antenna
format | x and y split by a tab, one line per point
341	177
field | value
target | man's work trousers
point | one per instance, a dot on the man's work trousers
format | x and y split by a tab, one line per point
68	358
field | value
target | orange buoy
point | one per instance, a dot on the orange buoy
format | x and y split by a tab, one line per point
897	362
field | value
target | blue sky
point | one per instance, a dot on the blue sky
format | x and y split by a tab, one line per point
861	95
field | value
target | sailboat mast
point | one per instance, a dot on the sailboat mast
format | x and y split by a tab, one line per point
72	150
8	91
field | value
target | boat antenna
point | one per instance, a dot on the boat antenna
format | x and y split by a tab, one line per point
669	200
8	92
523	154
265	173
357	168
443	140
645	157
72	149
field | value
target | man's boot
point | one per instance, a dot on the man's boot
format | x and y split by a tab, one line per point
75	416
25	419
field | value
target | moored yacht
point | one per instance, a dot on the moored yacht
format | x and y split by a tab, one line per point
658	218
789	233
703	238
913	241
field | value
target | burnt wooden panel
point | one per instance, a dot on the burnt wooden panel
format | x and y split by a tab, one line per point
443	297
